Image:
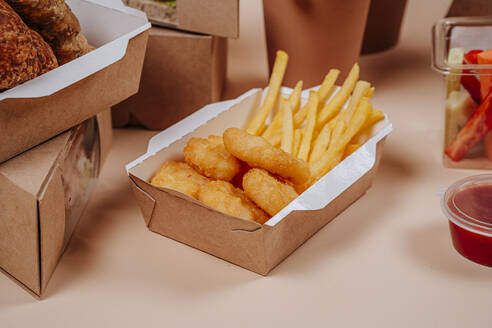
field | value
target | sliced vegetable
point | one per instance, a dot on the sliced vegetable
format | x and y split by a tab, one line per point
475	129
459	108
471	82
455	57
471	56
485	58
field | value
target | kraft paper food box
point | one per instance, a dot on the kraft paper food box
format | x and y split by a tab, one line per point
66	96
43	194
253	246
214	17
182	72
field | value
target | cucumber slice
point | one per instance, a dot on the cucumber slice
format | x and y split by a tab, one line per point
455	57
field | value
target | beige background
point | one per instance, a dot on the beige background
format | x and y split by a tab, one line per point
387	261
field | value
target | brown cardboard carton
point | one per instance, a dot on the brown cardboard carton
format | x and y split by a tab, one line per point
62	98
214	17
182	72
256	247
43	194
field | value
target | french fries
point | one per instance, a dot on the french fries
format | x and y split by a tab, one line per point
328	85
276	125
365	132
287	127
307	135
256	125
362	88
297	141
333	107
342	134
320	132
321	143
350	149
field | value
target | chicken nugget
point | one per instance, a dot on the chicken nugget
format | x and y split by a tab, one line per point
258	152
210	158
268	192
179	176
225	198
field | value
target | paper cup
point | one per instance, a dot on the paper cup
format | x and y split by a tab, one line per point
317	35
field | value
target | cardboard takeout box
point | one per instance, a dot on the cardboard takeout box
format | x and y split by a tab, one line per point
248	244
214	17
59	99
182	72
43	194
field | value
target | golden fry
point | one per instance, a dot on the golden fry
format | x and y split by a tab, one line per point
268	192
256	125
321	143
365	132
350	149
287	128
328	85
307	135
335	151
297	141
335	104
276	125
360	90
257	152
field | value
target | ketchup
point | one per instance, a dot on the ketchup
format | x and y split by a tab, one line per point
471	229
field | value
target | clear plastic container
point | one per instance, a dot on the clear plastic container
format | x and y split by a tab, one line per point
468	206
462	52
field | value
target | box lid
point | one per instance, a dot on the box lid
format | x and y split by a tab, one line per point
215	17
468	33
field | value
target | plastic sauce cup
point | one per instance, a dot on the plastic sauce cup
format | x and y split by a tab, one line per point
468	206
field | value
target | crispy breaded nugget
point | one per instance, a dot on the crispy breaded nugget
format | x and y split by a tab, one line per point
210	158
225	198
258	152
268	192
179	176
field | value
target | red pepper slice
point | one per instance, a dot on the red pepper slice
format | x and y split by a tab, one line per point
485	58
471	56
475	129
470	82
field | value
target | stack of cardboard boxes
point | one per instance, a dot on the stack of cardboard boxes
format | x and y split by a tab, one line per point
56	133
185	62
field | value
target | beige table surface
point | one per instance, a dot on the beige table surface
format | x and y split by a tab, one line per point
387	261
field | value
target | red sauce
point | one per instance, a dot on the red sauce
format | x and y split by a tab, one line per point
476	203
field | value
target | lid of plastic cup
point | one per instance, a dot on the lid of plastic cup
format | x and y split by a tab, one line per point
469	33
468	204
